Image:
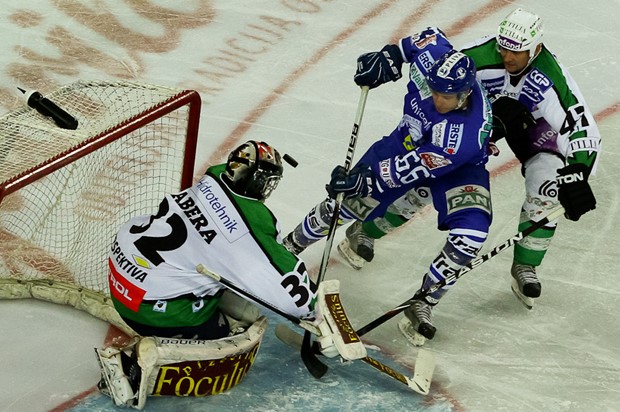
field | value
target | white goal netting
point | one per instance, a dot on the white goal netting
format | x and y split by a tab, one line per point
65	193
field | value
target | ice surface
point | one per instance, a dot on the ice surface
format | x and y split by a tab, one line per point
281	71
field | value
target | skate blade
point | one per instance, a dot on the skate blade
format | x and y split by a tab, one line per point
526	301
352	258
406	328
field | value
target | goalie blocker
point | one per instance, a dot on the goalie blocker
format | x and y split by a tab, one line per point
337	334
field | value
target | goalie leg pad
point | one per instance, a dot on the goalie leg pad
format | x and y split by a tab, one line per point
181	367
334	324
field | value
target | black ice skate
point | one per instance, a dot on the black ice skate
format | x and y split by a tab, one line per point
357	247
417	324
525	284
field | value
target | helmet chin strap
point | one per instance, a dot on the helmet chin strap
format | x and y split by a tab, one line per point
462	100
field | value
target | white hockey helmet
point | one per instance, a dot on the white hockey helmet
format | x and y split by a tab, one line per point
521	30
254	169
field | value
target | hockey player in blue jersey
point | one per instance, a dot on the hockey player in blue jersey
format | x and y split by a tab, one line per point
437	154
539	109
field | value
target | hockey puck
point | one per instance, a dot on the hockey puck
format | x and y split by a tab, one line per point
288	159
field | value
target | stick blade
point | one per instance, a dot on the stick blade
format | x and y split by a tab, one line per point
423	372
313	364
289	336
307	351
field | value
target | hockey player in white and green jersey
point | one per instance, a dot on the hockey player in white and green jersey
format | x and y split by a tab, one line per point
539	109
162	281
222	223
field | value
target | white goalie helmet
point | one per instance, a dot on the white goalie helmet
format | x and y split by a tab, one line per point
521	30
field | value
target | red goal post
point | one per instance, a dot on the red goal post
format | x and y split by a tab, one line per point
65	193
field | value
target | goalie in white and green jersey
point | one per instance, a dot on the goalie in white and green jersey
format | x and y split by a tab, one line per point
222	223
158	287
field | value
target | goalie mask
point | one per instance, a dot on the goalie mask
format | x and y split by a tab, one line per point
521	31
254	169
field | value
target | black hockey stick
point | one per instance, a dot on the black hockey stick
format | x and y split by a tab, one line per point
424	365
305	325
471	265
313	364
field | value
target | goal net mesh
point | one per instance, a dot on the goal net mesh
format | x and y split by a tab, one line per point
65	193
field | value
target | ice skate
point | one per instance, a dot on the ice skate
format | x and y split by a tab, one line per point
357	247
417	324
102	386
525	284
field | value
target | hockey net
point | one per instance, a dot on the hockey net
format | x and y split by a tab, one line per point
65	193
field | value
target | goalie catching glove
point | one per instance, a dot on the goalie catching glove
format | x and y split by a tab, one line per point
574	191
357	183
376	68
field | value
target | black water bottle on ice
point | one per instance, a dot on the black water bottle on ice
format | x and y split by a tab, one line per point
50	109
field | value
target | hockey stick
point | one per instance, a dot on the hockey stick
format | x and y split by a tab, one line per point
471	265
313	364
309	327
423	368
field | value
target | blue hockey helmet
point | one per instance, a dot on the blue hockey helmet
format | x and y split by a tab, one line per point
452	73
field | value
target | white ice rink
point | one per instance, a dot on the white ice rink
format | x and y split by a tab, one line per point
281	71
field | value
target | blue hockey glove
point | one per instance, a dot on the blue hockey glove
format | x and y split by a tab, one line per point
376	68
358	183
574	191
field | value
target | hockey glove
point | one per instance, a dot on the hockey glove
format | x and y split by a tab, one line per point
574	192
492	149
510	116
376	68
358	183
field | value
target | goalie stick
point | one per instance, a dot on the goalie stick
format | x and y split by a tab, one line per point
309	327
313	364
465	269
334	330
423	368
